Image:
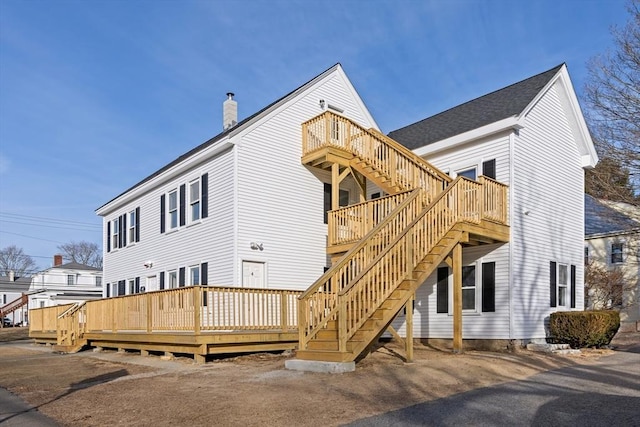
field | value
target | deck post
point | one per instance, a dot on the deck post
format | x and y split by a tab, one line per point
284	311
457	298
149	312
409	339
197	306
302	325
335	186
342	326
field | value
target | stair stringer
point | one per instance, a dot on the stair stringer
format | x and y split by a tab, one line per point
362	340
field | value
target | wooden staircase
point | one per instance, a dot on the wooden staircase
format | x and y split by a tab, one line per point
344	312
13	306
70	328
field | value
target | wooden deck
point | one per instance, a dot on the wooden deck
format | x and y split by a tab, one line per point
199	320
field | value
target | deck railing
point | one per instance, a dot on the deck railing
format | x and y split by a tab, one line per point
46	319
71	324
351	223
494	200
319	303
196	309
403	167
461	201
14	305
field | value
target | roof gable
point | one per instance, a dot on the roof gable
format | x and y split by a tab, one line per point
75	266
501	104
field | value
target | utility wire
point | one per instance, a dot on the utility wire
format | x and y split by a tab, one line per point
45	219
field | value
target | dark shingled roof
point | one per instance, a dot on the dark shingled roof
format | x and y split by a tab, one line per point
495	106
601	219
77	266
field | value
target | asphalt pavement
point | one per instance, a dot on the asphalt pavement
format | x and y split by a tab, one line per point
606	393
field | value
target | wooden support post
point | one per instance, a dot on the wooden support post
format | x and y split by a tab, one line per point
150	312
335	186
409	340
197	308
200	359
284	311
144	352
457	298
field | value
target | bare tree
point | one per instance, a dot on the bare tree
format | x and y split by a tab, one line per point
14	259
86	253
613	97
608	288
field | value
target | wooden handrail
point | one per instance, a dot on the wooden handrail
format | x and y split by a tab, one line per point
392	266
404	168
318	303
351	223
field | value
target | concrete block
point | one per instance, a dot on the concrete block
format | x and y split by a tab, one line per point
317	366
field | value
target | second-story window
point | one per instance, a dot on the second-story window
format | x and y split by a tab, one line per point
173	209
71	279
194	275
616	253
98	281
194	199
115	225
132	226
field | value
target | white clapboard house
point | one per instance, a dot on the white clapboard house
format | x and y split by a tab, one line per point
474	216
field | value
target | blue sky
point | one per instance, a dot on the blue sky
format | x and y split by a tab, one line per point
96	95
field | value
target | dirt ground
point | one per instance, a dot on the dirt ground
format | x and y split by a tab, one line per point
96	389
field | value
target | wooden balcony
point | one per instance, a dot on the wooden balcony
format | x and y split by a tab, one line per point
199	320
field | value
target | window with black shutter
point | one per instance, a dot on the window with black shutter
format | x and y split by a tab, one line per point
122	287
108	236
137	285
442	290
488	287
182	203
552	284
205	195
181	277
489	168
162	214
123	230
161	280
573	286
137	232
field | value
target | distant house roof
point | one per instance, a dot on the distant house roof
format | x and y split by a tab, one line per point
600	219
228	132
76	266
18	285
495	106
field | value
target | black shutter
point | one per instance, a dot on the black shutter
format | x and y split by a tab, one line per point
122	288
183	208
124	230
137	224
442	290
163	216
204	272
489	168
488	286
552	284
204	182
327	200
161	280
108	290
181	282
108	236
573	286
137	285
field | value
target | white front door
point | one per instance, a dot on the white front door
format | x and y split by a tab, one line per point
253	274
151	284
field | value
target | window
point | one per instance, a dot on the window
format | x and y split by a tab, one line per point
194	275
616	253
116	233
468	173
342	201
194	199
469	287
132	286
173	279
71	279
173	209
562	285
132	226
98	281
586	255
489	168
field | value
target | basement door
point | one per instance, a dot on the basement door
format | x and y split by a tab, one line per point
253	274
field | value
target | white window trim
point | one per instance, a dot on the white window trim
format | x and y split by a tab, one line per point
559	285
115	233
478	296
622	257
192	201
131	232
170	226
169	275
190	269
131	287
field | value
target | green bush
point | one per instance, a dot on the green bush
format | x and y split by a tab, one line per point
582	329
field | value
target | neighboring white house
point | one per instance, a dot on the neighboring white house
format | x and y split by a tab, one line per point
532	136
612	241
241	209
64	284
12	290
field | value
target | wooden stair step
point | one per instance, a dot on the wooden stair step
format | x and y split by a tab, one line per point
325	356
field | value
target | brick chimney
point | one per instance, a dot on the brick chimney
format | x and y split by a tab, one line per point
229	112
57	260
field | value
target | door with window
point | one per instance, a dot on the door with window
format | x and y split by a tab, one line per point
253	274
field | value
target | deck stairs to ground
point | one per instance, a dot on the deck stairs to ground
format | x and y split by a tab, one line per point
70	329
344	312
14	305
